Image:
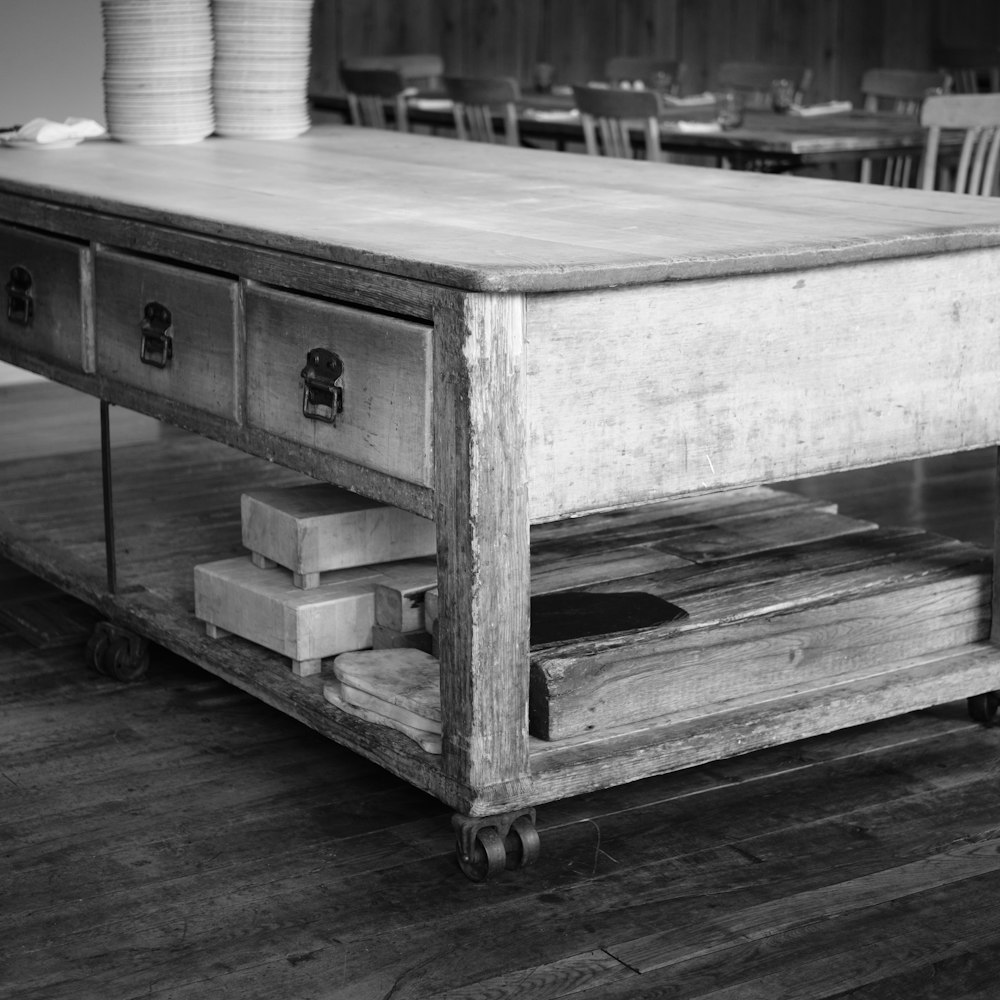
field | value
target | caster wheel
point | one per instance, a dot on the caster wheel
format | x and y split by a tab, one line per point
97	646
118	653
983	707
126	660
488	857
523	845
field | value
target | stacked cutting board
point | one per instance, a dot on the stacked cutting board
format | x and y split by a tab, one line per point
326	572
650	615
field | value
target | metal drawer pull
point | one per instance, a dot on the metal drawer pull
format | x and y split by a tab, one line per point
322	398
20	305
156	345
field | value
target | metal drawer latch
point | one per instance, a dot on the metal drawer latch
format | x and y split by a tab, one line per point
20	305
322	398
156	346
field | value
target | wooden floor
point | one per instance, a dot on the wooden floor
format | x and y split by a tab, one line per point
177	838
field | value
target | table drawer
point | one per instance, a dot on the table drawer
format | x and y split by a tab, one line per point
170	331
381	373
43	310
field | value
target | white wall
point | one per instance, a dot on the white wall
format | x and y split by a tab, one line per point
51	61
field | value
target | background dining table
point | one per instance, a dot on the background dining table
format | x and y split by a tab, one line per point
767	140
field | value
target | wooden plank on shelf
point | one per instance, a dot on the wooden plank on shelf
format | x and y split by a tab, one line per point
710	732
781	623
597	548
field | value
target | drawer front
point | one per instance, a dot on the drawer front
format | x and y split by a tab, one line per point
383	380
170	331
42	309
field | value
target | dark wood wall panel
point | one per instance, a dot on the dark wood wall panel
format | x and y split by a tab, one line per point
838	38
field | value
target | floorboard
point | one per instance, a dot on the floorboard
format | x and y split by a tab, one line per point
176	838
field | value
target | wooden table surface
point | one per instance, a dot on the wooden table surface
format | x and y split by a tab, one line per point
477	217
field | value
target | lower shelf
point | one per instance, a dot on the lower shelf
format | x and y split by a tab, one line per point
177	504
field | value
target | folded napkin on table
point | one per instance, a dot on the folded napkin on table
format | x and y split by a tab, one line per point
43	132
431	103
692	127
691	101
552	114
829	108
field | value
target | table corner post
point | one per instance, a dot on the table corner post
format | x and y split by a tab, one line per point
481	510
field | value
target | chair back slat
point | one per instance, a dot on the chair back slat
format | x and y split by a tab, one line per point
974	70
753	80
978	116
610	116
369	91
902	91
418	69
477	104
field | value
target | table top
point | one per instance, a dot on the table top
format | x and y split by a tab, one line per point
479	217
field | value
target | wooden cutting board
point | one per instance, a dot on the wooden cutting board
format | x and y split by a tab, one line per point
317	528
408	678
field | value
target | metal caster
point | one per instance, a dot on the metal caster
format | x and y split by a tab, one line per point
116	652
487	845
983	707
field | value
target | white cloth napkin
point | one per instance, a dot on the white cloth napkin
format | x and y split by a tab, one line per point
44	132
695	128
691	101
552	114
830	108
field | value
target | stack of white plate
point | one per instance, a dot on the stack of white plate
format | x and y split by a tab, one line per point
158	70
261	75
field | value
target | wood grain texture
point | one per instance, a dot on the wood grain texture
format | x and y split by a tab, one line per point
55	295
265	606
399	601
115	796
840	40
205	329
543	221
815	625
385	423
789	381
316	528
483	541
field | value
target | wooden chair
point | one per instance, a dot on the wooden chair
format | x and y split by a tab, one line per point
664	75
978	116
422	70
900	91
973	70
753	81
369	91
609	117
477	103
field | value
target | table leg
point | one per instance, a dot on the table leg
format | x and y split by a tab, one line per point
483	545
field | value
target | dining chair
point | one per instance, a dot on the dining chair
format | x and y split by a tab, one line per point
753	81
478	101
369	91
974	70
610	115
664	75
902	92
978	116
422	70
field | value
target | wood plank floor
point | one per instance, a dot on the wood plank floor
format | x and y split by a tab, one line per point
176	838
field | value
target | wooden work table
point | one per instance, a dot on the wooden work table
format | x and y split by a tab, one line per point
547	335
